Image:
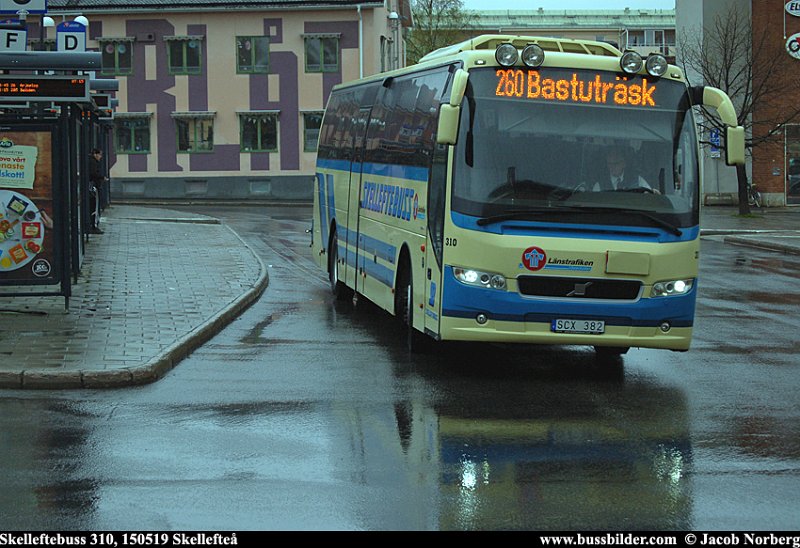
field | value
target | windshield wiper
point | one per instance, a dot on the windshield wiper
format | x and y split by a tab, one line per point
525	213
658	221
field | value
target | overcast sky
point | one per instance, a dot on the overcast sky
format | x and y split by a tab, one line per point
566	4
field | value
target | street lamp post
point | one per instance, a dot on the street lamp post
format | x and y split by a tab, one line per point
45	22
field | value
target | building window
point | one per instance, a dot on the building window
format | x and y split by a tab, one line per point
185	54
322	52
312	123
117	56
195	131
258	131
132	133
252	54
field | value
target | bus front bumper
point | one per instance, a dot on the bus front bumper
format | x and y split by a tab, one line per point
468	329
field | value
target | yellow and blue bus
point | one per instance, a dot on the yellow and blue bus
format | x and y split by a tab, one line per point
469	195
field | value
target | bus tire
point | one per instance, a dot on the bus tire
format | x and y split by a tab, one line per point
404	306
339	290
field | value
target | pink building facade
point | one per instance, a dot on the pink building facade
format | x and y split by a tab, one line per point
224	99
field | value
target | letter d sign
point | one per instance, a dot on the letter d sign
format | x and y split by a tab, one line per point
71	36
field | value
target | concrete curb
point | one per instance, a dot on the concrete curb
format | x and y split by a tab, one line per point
734	231
188	220
770	245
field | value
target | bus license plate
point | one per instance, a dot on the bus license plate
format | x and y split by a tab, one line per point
578	326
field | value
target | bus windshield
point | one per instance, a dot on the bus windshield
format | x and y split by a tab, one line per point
576	146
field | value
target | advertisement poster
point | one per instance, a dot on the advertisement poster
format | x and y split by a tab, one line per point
27	245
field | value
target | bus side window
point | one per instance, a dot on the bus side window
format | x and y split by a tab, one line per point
347	129
376	128
327	136
686	169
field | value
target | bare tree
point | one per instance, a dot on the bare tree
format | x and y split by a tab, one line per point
752	70
437	23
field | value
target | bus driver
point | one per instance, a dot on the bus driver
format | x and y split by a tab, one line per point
617	178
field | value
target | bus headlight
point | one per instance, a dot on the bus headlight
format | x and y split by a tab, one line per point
672	287
533	55
479	279
506	54
631	62
656	65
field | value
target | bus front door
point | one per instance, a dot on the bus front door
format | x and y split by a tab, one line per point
433	289
434	244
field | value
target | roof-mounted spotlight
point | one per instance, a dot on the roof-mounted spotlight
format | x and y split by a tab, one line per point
631	62
506	54
533	55
656	65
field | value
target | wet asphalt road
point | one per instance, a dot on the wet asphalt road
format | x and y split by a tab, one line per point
305	415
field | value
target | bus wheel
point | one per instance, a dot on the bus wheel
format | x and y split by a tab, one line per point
338	288
404	309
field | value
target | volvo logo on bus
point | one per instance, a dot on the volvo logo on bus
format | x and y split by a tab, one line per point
580	290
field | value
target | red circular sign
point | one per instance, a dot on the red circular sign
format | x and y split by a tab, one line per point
534	258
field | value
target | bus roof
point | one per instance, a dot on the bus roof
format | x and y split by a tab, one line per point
478	51
491	41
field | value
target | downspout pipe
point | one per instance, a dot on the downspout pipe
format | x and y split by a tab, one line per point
360	42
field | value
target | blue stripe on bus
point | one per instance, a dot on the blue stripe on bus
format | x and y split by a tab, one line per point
368	246
583	231
331	199
323	220
373	246
377	248
335	165
395	171
347	245
409	173
344	236
463	301
383	274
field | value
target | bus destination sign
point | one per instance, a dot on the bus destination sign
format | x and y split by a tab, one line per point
69	89
597	89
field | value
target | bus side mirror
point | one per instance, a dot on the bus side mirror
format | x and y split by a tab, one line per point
447	131
449	113
460	79
734	146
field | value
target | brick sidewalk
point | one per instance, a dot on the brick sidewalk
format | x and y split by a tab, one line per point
155	286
